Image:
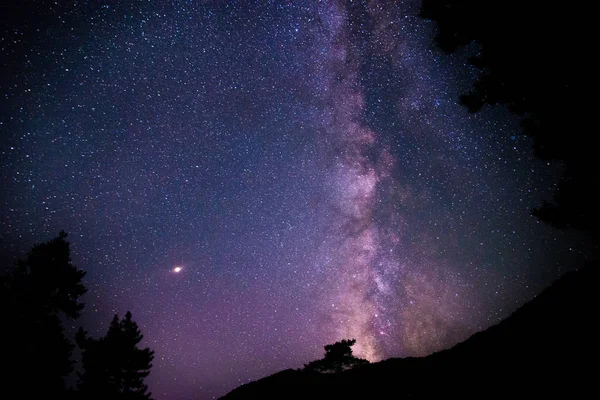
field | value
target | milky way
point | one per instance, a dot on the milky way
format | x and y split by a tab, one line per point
254	180
370	280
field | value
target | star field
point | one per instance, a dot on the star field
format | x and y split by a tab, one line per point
254	180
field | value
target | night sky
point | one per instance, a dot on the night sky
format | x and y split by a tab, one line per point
256	179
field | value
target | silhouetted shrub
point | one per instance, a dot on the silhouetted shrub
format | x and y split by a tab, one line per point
338	358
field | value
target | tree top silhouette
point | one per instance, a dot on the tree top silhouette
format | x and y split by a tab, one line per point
338	358
543	75
114	366
40	293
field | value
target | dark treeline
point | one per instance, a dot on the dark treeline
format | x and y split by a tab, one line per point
42	293
535	57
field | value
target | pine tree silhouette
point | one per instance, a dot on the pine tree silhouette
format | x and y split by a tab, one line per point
114	366
41	291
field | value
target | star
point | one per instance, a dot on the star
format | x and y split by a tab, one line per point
309	157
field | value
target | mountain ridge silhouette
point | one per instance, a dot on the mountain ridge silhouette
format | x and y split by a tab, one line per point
547	348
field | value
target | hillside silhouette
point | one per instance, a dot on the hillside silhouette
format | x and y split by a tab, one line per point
548	347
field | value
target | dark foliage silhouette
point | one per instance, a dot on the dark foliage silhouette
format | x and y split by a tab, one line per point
39	294
36	298
114	366
546	349
534	58
338	358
